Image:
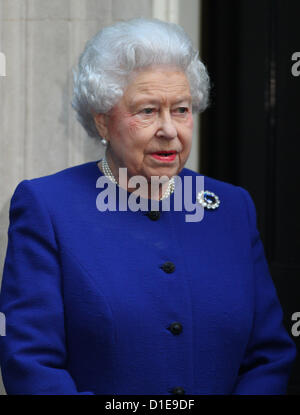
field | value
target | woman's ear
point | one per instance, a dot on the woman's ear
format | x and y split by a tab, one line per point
101	124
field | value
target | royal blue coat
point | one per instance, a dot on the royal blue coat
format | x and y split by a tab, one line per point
119	303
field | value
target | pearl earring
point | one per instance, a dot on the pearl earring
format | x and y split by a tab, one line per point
104	141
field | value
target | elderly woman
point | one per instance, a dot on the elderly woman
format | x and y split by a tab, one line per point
128	301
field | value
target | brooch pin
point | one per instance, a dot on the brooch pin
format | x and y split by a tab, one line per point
208	199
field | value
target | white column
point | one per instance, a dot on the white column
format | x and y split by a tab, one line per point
167	10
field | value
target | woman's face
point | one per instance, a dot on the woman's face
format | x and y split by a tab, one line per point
154	116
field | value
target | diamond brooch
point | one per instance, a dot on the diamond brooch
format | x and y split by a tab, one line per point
208	199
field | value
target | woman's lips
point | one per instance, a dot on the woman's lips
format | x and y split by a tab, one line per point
167	156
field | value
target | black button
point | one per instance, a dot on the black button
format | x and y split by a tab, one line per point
178	390
153	215
168	267
175	328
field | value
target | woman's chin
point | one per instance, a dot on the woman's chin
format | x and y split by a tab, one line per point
163	170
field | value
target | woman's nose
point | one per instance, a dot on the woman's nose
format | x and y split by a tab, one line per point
166	128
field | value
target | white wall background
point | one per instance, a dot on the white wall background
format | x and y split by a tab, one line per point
41	41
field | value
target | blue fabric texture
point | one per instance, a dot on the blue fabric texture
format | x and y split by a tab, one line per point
88	305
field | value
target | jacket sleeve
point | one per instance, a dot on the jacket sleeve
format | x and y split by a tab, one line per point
33	352
270	352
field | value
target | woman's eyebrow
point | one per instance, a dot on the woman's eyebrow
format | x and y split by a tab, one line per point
143	99
186	98
150	100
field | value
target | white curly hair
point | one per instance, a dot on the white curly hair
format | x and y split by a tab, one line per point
116	51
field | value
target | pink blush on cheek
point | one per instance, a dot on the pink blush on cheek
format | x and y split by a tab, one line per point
134	125
190	120
119	120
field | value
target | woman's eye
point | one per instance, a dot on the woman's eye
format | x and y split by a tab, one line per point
182	110
148	111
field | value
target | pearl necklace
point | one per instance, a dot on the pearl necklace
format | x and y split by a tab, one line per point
108	173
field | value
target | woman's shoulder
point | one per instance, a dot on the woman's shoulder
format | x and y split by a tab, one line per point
62	187
214	185
69	173
236	204
65	177
233	198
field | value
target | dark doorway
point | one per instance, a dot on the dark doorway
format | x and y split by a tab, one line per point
250	135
